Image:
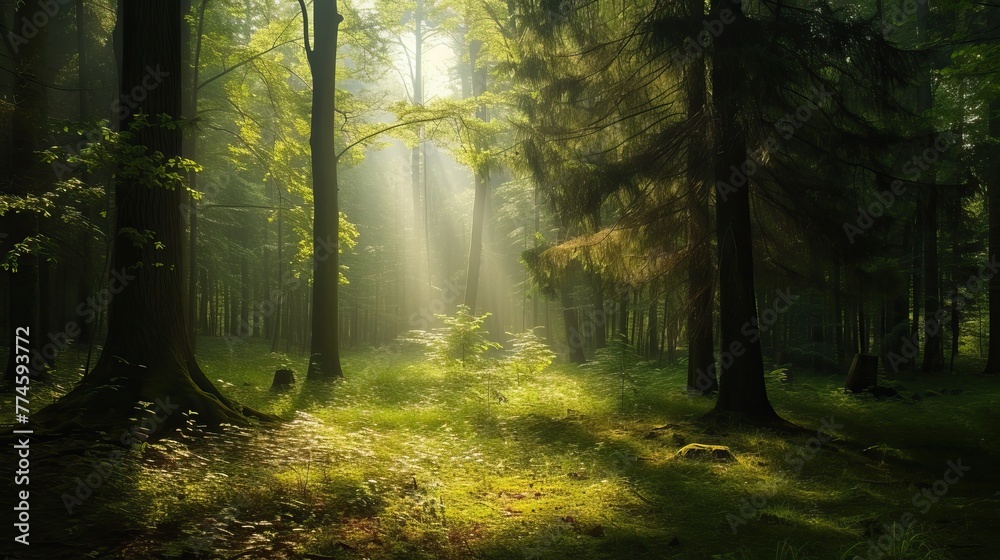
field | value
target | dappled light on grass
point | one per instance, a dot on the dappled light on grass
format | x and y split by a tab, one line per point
402	460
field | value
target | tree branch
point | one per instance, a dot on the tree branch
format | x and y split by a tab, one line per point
386	129
305	29
245	62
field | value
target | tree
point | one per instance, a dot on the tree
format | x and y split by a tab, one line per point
148	354
933	350
482	181
24	177
701	355
741	384
324	359
993	202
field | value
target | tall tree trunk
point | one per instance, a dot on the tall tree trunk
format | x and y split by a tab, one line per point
933	348
652	329
148	354
838	314
482	190
701	355
993	217
25	175
862	326
741	383
623	315
600	315
191	152
534	299
203	310
418	99
324	359
917	270
83	66
571	321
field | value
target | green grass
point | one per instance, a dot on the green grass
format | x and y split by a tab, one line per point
403	460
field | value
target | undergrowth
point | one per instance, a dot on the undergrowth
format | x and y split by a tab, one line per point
402	460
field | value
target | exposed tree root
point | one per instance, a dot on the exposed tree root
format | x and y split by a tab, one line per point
145	403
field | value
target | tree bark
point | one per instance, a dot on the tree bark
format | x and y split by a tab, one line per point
600	319
324	359
838	314
701	355
571	320
148	354
993	217
933	348
741	384
26	175
482	192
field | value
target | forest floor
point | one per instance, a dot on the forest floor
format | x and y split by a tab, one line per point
407	460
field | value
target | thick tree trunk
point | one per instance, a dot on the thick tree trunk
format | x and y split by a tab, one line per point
741	383
148	354
324	359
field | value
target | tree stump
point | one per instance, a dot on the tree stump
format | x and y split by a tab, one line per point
705	451
283	380
863	373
